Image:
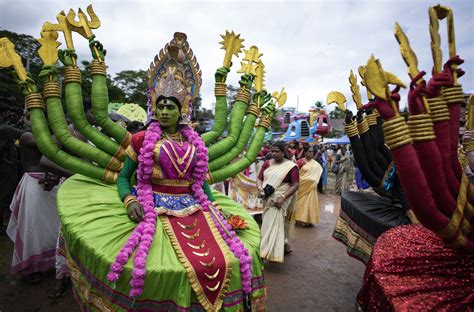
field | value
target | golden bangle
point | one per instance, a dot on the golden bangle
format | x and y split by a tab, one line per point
129	199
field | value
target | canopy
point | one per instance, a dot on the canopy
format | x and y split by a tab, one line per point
342	140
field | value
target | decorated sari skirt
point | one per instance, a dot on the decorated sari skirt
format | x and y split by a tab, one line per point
96	226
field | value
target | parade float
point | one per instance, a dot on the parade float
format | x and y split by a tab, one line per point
188	247
427	265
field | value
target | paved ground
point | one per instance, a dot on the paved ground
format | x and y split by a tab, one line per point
318	276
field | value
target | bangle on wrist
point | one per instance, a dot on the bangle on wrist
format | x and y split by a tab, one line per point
129	199
283	195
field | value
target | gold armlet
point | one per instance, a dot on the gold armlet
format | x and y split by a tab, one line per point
363	126
396	132
253	109
439	109
34	100
109	176
220	89
265	121
351	129
243	95
421	127
372	119
72	74
98	68
453	94
51	89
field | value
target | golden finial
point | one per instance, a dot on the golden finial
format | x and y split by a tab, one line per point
232	44
376	81
260	77
252	57
49	47
9	57
84	26
443	12
355	90
338	98
435	41
410	59
280	97
407	53
62	26
361	71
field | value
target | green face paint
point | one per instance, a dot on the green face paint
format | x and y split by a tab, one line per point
167	112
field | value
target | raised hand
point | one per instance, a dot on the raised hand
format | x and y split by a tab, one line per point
415	102
349	117
67	57
246	81
221	74
97	49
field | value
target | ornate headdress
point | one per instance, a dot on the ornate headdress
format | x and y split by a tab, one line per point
175	73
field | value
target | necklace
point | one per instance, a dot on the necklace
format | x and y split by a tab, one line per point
180	159
175	137
181	173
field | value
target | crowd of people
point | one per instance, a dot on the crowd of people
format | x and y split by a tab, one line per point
289	181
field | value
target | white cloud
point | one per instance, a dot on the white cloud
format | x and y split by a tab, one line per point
309	46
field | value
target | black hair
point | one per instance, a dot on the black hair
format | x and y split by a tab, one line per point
281	145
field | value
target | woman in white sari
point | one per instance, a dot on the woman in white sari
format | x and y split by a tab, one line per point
282	176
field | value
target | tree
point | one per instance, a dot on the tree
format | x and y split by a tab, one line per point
133	83
337	114
319	104
27	47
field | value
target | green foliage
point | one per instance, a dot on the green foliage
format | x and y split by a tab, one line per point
133	84
27	47
337	114
319	104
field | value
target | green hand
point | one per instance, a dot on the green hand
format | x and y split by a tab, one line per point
26	87
48	73
221	74
97	47
268	108
67	57
246	81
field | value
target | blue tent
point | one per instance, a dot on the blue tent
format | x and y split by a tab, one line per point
342	140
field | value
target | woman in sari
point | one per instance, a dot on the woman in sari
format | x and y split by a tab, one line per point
306	206
342	161
277	183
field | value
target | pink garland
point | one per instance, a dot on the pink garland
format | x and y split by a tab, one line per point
143	234
145	230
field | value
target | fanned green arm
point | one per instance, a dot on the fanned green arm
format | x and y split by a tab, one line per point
58	124
44	140
244	136
74	104
253	150
220	119
236	120
100	98
123	181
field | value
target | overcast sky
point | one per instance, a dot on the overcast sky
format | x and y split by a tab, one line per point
309	47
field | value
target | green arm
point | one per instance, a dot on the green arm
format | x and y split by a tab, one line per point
244	136
252	152
236	121
75	107
220	119
100	98
123	181
58	125
208	192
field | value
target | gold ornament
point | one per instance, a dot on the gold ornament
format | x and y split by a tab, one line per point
9	57
232	44
338	98
355	90
49	47
260	78
280	97
250	61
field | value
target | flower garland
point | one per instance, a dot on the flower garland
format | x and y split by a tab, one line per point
232	240
144	232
